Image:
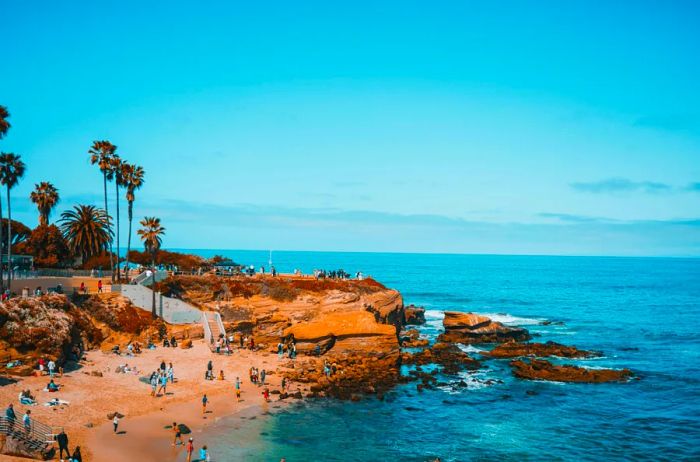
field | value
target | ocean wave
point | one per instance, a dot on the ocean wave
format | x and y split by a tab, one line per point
509	319
469	348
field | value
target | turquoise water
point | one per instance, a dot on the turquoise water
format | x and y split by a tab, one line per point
642	313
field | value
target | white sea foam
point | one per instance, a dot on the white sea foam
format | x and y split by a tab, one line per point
511	320
469	348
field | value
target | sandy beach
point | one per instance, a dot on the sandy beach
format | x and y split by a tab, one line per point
142	434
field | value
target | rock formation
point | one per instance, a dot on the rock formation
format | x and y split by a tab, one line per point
414	315
515	349
539	369
470	328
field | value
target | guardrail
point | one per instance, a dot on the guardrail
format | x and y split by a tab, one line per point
36	436
60	273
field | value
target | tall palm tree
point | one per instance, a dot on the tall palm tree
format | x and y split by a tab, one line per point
117	166
11	171
45	196
101	154
133	180
152	233
4	127
87	230
4	124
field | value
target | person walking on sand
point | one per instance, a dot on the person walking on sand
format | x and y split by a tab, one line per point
190	450
99	286
62	440
178	434
52	367
163	384
115	422
205	400
238	389
266	394
262	376
171	373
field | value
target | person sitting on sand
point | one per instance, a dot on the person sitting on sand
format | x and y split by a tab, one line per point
26	398
204	454
52	387
77	457
166	343
221	375
173	342
137	348
116	351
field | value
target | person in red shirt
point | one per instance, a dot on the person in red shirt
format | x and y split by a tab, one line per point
190	450
99	286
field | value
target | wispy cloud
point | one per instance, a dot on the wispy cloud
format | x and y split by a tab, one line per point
571	218
617	185
694	187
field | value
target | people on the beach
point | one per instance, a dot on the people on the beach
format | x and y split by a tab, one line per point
238	389
221	375
266	394
26	398
115	422
99	286
62	440
190	450
27	421
205	400
77	456
209	375
280	350
262	376
52	387
203	454
178	434
10	416
171	373
52	367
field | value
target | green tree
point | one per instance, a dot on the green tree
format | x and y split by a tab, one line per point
48	247
101	154
152	233
133	180
11	171
117	166
4	127
45	196
87	230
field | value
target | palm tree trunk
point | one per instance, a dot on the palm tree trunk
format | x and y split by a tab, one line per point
128	239
153	288
111	262
116	183
9	242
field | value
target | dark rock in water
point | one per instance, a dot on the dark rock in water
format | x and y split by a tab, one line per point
450	356
531	393
515	349
551	323
413	409
414	315
462	383
539	369
411	339
470	328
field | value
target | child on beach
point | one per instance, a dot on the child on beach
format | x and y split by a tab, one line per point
266	394
203	454
205	400
178	434
190	450
238	389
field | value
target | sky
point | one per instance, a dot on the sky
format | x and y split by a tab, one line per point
541	127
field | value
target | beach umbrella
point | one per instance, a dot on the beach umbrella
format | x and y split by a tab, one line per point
118	414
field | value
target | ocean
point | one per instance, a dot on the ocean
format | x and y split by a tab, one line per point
642	313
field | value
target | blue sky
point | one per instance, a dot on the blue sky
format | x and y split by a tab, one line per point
470	127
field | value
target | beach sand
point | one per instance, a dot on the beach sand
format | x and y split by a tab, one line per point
142	434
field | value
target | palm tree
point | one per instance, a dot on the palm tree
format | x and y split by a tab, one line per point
11	171
4	124
45	196
152	233
4	127
117	166
87	230
101	154
133	180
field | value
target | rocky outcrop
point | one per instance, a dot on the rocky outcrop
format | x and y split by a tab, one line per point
447	355
11	446
470	328
414	315
349	332
539	369
412	339
515	349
